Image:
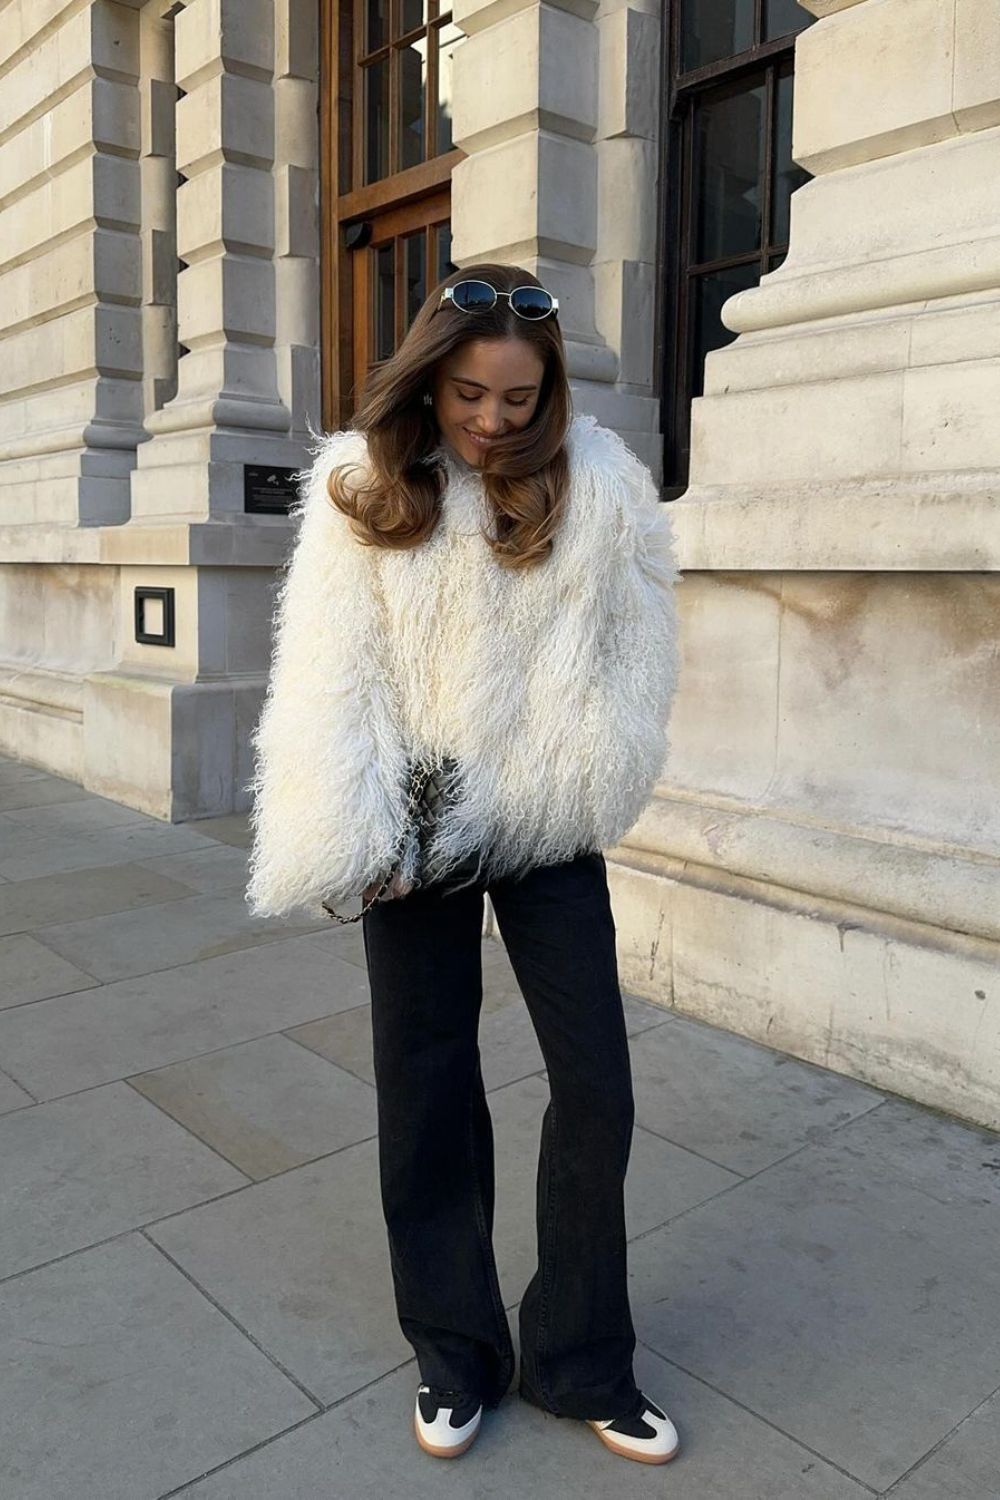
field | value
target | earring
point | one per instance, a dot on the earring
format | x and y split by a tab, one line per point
428	399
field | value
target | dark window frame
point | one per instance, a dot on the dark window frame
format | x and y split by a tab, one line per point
679	95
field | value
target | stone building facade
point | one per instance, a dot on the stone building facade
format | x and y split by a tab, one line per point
214	214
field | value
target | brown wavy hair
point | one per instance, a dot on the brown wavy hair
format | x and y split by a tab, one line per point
525	473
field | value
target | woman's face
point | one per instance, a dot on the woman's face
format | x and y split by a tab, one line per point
484	389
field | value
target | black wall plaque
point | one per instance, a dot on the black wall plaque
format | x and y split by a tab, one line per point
164	636
268	489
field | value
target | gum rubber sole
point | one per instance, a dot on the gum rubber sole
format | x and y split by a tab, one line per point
642	1458
444	1452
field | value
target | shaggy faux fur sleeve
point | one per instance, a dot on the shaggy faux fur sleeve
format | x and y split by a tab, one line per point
638	649
324	814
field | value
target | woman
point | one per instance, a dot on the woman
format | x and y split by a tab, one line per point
483	583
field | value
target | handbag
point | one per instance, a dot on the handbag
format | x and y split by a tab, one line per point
428	796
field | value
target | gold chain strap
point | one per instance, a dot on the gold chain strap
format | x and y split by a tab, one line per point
417	784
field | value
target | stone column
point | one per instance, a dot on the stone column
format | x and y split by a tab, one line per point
544	106
70	264
168	728
821	866
227	409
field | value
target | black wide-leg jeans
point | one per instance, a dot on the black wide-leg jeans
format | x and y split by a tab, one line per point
435	1141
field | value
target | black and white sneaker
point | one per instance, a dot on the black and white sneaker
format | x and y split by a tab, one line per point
446	1422
646	1433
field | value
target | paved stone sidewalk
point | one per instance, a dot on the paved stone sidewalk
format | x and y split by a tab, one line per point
194	1287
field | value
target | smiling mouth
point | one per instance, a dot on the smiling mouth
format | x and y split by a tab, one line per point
481	442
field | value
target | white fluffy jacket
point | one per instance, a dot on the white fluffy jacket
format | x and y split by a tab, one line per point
550	686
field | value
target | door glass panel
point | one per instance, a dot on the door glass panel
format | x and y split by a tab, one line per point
714	29
385	302
415	274
449	39
727	186
376	24
413	92
445	265
787	176
710	292
783	17
377	121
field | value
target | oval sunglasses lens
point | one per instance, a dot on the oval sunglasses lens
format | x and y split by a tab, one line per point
472	295
531	302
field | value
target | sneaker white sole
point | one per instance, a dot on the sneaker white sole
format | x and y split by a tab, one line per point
428	1432
617	1443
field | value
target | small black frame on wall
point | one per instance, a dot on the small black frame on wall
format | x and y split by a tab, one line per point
165	635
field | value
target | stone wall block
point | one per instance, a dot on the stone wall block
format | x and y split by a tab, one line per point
297	301
539	66
229	207
24	19
950	417
839	429
629	73
235	294
296	40
976	98
48	70
159	103
296	212
625	291
212	35
67	274
872	81
549	206
98	113
299	382
159	252
230	117
96	336
114	41
626	183
296	139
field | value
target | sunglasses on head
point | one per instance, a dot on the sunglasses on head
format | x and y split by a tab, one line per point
531	302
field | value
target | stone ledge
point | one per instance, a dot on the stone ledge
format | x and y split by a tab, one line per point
868	526
905	1007
954	892
259	544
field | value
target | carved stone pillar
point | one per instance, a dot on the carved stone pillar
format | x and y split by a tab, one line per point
821	866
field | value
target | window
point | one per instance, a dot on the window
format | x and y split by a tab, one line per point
386	164
403	108
728	177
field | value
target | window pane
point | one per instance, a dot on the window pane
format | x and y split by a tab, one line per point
414	13
413	91
783	17
445	264
449	39
709	293
727	173
787	176
714	29
377	121
385	302
377	24
414	272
